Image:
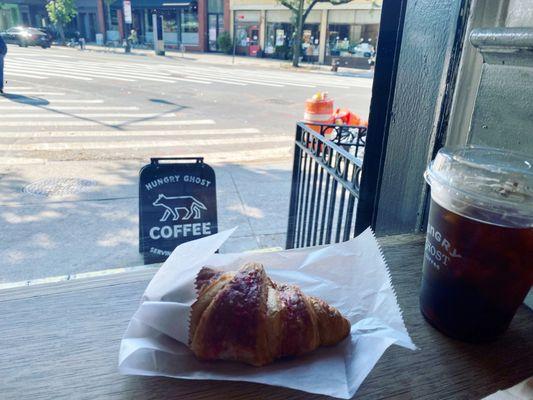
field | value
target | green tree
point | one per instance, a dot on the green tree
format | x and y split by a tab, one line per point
61	13
300	10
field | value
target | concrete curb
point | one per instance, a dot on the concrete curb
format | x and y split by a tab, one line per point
101	273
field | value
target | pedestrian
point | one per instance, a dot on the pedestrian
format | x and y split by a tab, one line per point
3	52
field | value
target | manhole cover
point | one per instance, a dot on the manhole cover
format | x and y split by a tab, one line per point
58	186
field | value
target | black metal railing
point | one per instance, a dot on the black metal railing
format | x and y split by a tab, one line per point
326	180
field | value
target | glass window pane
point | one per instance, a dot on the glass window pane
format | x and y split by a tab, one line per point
215	6
189	25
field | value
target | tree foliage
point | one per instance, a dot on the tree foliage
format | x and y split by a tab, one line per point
61	12
300	10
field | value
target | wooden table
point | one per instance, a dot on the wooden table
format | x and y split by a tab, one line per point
61	341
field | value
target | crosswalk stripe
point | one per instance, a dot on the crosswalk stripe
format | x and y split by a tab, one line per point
36	70
52	101
21	160
318	79
222	77
30	107
60	71
256	81
33	76
115	133
52	115
217	80
108	145
20	88
83	65
24	54
25	93
204	75
32	73
83	71
121	76
36	124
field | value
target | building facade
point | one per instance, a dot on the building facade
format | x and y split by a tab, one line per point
33	13
329	31
195	24
260	27
22	12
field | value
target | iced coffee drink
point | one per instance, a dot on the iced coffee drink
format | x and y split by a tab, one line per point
478	258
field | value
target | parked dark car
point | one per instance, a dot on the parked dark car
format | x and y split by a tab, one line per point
24	36
49	32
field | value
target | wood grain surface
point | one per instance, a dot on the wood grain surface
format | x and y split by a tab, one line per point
61	341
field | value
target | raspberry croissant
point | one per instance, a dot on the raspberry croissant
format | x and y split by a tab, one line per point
244	316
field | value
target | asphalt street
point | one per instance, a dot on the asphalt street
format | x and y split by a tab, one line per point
75	127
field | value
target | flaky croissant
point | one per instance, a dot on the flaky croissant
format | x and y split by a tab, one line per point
244	316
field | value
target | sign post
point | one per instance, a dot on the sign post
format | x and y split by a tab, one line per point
128	20
177	204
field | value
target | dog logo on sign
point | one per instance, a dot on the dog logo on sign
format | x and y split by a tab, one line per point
172	205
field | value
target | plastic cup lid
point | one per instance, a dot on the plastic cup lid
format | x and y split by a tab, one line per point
493	179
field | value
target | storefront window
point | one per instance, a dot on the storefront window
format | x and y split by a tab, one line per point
189	25
215	6
170	27
352	40
246	31
310	42
278	40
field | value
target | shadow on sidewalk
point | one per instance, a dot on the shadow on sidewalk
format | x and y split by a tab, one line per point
96	227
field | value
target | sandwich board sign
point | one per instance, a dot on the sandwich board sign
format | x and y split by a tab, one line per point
177	204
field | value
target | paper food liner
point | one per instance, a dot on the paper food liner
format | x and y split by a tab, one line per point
351	276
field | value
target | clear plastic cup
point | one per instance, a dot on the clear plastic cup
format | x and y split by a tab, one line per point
478	258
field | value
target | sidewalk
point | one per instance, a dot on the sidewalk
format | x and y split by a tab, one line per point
97	228
229	60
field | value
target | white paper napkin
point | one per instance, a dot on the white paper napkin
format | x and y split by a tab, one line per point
352	276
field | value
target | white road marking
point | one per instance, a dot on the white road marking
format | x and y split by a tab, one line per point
32	76
97	115
204	75
54	101
289	77
30	107
36	124
224	77
129	76
21	160
115	133
217	80
30	72
24	54
108	145
19	88
72	74
255	80
25	93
